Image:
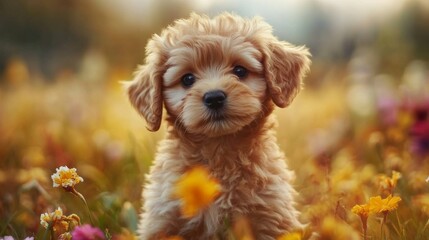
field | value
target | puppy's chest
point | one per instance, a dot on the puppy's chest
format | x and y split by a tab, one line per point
239	184
242	186
240	173
238	190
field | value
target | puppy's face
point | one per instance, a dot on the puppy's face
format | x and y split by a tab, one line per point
215	76
216	86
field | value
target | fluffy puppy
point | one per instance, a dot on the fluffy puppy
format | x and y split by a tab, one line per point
219	80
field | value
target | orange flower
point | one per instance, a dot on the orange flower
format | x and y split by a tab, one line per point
197	190
379	205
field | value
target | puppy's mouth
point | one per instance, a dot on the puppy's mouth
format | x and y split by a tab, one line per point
219	112
216	116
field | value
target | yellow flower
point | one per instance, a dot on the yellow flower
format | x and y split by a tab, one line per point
291	236
389	183
197	190
65	177
361	210
379	205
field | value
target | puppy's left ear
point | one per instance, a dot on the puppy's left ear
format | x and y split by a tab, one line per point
145	90
285	67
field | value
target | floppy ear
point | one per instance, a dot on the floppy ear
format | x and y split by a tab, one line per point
145	90
285	66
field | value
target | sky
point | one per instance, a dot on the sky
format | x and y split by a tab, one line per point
346	10
290	18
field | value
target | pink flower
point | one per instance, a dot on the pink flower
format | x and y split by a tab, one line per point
87	232
420	130
7	238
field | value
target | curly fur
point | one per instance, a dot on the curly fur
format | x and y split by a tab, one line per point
237	145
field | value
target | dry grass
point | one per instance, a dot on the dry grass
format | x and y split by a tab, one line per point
338	156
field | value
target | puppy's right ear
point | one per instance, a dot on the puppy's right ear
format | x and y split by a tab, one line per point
145	90
286	65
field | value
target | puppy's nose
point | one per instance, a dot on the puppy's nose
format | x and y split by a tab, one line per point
214	99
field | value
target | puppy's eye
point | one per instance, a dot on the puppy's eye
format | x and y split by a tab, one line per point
240	72
188	79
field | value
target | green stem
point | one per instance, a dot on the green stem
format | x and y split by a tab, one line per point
51	231
48	230
79	195
364	226
382	224
426	225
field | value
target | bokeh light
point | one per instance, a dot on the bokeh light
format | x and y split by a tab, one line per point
364	111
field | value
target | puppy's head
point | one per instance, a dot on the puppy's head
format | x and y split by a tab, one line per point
216	76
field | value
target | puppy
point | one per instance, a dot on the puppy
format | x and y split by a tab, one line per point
219	80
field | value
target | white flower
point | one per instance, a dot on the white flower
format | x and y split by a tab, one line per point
48	218
45	220
57	214
65	177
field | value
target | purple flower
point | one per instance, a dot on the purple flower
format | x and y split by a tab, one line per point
87	232
420	130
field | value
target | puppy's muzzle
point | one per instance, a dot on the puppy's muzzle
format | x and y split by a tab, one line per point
214	99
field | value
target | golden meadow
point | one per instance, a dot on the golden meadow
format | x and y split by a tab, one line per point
357	136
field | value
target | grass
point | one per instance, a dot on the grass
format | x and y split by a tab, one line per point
337	154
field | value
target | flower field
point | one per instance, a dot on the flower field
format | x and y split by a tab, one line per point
74	153
359	174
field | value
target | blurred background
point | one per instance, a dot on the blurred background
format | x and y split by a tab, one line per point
363	112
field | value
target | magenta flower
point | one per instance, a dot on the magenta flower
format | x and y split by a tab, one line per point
420	130
87	232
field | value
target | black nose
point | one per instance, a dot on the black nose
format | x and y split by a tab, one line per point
214	99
